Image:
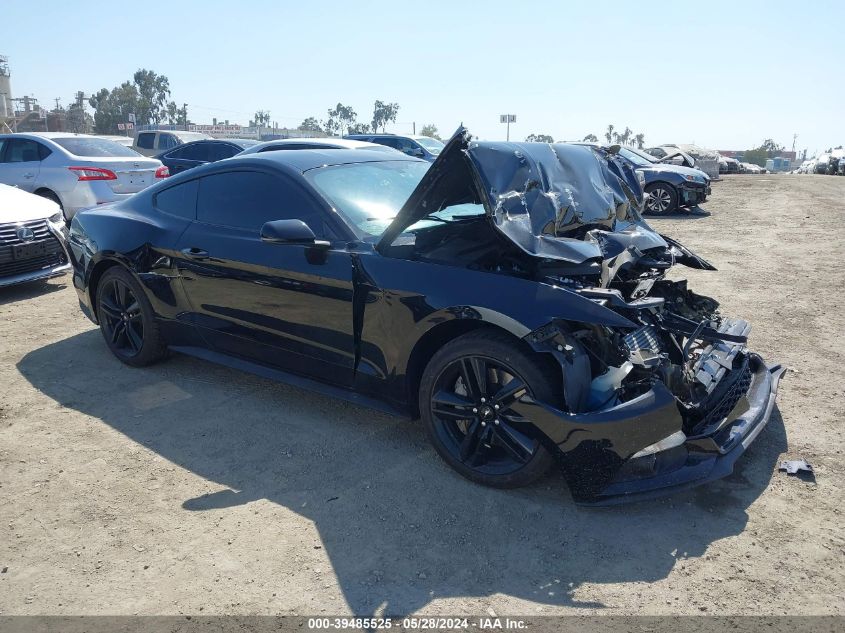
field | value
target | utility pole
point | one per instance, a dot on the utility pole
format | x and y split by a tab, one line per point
794	138
415	128
185	115
57	104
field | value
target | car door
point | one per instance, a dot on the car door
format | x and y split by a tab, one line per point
20	162
287	306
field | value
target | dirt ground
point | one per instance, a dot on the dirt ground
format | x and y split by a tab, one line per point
187	488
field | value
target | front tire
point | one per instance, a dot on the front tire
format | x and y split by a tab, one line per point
663	199
127	320
466	394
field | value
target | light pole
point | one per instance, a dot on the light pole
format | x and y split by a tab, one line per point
507	118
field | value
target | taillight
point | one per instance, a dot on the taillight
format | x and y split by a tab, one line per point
93	173
162	172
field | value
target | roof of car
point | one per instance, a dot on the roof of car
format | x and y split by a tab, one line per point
305	159
53	134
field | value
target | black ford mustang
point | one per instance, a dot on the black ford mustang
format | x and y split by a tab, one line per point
511	296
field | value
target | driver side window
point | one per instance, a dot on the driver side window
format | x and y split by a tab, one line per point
248	199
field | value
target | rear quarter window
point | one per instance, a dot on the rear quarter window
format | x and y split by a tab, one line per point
180	200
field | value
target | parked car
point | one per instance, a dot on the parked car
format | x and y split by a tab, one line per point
822	163
840	169
196	153
836	156
519	329
315	143
126	141
154	142
32	238
732	164
669	187
689	155
423	147
751	168
75	170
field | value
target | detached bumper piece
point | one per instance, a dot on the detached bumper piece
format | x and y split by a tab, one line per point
701	458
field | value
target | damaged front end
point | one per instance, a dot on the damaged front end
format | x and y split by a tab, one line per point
670	396
670	404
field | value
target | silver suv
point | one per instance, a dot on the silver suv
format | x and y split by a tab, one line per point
154	142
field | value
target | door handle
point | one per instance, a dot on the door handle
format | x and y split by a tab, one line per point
195	253
29	175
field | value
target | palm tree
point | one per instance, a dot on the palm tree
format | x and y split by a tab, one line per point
609	134
639	139
590	138
626	135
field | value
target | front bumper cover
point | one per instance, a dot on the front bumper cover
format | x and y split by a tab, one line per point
595	447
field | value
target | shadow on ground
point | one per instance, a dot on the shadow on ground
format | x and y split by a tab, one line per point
399	527
691	213
30	290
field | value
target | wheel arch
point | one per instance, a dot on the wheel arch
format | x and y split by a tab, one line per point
41	191
442	333
97	272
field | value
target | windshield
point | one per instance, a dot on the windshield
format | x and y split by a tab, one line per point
81	146
635	158
431	144
368	195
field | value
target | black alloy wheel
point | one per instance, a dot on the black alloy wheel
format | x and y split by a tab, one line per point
122	323
469	414
126	319
662	199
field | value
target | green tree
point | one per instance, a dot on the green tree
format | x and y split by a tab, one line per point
430	130
590	138
609	135
384	113
262	118
341	117
311	124
359	128
153	91
114	106
78	120
539	138
758	155
639	139
626	135
145	97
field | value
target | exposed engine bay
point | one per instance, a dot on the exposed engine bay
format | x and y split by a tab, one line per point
682	338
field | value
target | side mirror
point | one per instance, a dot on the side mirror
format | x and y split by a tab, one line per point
416	151
290	232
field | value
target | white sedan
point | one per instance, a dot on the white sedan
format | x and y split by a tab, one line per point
32	238
76	171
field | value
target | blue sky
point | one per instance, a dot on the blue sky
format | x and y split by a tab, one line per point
722	74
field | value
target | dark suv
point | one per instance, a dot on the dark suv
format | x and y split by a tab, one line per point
423	147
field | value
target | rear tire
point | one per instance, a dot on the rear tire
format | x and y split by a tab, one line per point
127	320
465	396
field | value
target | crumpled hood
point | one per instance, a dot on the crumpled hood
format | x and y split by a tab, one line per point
543	197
